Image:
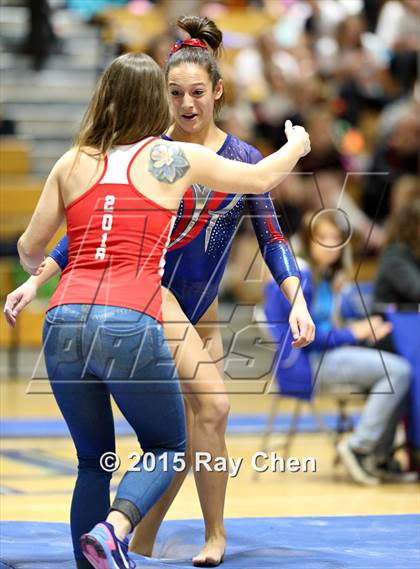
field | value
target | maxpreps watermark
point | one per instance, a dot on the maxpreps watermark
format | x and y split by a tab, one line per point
259	462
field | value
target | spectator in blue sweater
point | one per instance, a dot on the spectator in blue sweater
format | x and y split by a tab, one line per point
347	354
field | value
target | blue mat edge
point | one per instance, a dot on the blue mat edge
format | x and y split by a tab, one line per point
268	518
238	424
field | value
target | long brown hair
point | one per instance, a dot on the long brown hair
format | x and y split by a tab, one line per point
207	31
309	223
130	102
404	227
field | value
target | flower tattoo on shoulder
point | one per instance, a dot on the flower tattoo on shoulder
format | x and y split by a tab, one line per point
168	163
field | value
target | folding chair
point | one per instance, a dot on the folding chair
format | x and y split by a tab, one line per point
295	376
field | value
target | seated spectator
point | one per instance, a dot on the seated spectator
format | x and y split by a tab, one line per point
87	9
327	162
398	277
398	28
409	104
347	355
395	156
41	40
360	63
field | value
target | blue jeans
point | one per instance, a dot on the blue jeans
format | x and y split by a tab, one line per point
92	352
387	386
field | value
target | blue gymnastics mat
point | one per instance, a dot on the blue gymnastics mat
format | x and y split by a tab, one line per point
356	542
240	424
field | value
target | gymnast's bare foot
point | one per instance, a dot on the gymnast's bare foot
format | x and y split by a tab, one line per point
212	553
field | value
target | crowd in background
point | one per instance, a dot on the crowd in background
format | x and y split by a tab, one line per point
347	71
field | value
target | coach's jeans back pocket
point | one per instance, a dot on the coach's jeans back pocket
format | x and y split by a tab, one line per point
125	343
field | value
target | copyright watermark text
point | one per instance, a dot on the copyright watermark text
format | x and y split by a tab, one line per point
259	462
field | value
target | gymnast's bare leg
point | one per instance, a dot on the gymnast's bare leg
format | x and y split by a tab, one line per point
207	408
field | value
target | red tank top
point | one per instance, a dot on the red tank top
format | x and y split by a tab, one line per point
117	242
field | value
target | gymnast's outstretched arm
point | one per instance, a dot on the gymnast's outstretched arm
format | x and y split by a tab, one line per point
26	292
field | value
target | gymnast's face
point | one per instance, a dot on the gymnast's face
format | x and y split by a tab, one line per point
192	97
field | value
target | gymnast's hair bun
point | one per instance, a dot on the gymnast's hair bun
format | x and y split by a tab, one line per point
202	29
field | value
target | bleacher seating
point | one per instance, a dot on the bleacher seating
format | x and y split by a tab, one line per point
14	156
136	30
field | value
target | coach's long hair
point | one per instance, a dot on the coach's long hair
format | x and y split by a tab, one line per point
130	102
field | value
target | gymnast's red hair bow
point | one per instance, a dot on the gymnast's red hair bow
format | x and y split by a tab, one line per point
192	42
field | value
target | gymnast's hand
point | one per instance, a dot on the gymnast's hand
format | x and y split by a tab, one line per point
18	299
299	135
301	325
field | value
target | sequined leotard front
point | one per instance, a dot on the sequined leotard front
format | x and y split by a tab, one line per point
202	237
